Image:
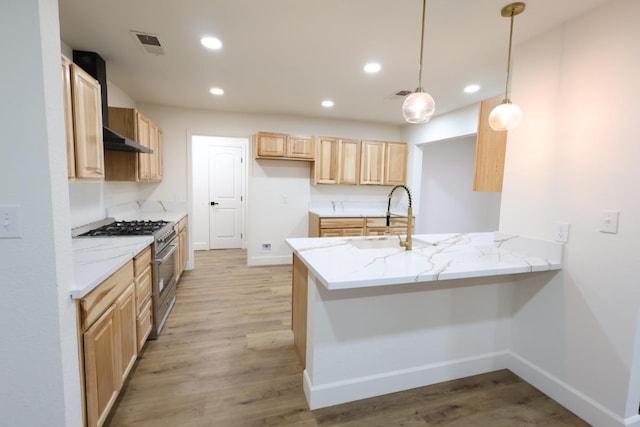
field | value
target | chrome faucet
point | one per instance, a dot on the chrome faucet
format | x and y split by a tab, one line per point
408	241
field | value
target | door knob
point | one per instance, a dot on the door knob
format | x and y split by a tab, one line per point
214	203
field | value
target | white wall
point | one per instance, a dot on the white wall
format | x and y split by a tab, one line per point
575	154
448	203
270	220
39	374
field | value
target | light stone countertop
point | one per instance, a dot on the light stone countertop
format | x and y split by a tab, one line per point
97	258
347	263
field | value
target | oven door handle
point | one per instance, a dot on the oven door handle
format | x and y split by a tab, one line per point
173	247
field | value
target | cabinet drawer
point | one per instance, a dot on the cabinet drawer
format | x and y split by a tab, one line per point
141	261
93	305
379	231
341	222
143	289
144	324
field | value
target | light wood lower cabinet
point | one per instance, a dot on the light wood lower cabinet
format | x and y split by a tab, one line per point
354	226
109	344
102	367
144	314
182	254
114	321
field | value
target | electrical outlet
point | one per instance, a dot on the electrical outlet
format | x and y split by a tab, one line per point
10	222
562	232
265	247
609	221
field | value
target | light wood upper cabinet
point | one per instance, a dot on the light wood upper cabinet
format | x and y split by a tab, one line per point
327	166
68	117
395	163
300	147
143	137
83	123
383	163
337	161
372	163
129	166
284	147
490	151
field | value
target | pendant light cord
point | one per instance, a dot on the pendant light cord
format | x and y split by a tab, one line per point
508	83
424	12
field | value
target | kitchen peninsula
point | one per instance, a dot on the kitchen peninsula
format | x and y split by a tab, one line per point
370	318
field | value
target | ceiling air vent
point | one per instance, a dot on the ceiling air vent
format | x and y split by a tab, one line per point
399	93
149	42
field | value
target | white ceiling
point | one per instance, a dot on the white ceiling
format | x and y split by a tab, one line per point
286	56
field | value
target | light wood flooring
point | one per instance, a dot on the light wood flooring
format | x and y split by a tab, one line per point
226	358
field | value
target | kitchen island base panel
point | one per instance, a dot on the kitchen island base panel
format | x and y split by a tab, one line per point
325	395
373	341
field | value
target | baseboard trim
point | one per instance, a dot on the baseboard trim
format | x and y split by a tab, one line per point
580	404
321	396
269	260
324	395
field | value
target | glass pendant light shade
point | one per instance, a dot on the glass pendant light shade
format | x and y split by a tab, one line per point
505	116
418	107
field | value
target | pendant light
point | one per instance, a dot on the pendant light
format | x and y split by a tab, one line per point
507	115
419	106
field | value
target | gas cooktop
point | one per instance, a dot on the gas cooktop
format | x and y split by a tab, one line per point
127	228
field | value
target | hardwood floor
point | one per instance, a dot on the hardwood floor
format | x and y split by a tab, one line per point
226	358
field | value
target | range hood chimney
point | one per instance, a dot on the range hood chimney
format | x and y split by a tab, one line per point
93	64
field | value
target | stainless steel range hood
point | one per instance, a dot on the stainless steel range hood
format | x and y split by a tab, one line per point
93	64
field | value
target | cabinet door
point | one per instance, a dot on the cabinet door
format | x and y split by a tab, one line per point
349	161
300	147
395	164
153	158
126	311
102	366
87	122
327	165
158	155
490	151
271	144
143	138
68	116
372	163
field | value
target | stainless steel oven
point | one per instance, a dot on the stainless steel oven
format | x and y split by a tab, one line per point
164	282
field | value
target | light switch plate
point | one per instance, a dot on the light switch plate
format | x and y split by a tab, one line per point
10	222
609	221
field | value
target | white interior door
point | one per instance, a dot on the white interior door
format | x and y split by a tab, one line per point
225	197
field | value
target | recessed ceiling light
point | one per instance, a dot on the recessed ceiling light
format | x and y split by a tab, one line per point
471	89
216	91
211	42
372	67
327	103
